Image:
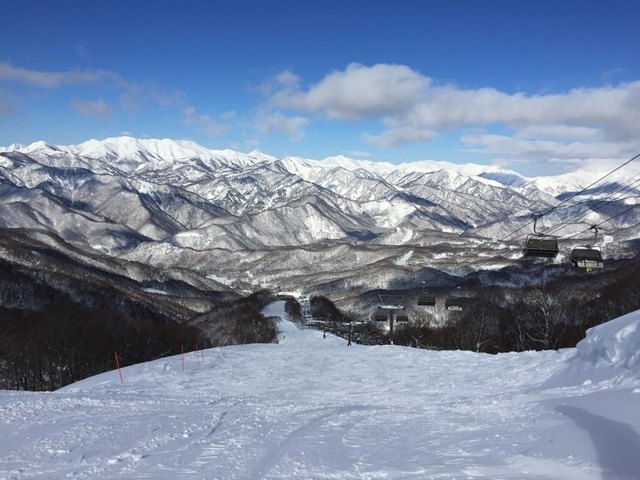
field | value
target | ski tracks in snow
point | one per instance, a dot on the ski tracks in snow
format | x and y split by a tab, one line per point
299	436
313	408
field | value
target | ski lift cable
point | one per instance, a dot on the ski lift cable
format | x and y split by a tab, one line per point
591	185
585	207
590	208
598	225
575	194
477	254
538	216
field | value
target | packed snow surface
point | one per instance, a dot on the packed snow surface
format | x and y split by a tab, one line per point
314	408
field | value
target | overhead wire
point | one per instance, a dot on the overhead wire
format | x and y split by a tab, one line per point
590	185
607	198
598	225
586	206
550	210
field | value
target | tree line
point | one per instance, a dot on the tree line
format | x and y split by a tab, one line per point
47	349
552	314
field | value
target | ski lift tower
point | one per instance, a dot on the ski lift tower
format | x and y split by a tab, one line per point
391	305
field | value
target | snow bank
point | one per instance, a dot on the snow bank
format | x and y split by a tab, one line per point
610	351
615	343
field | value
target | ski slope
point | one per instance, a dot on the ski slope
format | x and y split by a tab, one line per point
314	408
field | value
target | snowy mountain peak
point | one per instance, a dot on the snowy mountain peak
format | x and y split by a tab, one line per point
36	146
141	149
125	148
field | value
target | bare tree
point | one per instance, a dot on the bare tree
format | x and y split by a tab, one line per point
545	317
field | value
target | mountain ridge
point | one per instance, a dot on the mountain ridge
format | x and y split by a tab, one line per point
127	197
125	147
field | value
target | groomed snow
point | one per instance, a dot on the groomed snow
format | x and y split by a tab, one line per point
314	408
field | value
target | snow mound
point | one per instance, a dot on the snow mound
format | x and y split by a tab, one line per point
610	351
615	343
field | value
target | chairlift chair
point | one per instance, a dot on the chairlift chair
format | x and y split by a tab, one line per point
426	300
588	256
391	302
380	318
540	245
455	304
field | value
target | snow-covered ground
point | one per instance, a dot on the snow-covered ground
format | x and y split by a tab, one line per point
314	408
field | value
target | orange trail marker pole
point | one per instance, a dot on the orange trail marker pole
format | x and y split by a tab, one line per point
182	356
118	366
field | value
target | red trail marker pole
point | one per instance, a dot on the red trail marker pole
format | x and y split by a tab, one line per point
118	366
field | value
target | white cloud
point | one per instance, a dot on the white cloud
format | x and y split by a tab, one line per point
229	115
132	96
560	131
96	108
513	149
356	154
615	110
252	143
356	93
276	122
206	124
412	108
285	81
395	137
52	80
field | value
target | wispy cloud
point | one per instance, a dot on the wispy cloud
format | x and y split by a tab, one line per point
52	80
560	131
357	153
559	155
129	96
284	81
519	147
395	137
82	50
276	122
5	107
205	123
97	108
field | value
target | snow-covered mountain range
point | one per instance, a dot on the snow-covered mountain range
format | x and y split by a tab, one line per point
253	219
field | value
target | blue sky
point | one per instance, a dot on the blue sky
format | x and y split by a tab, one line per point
539	87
